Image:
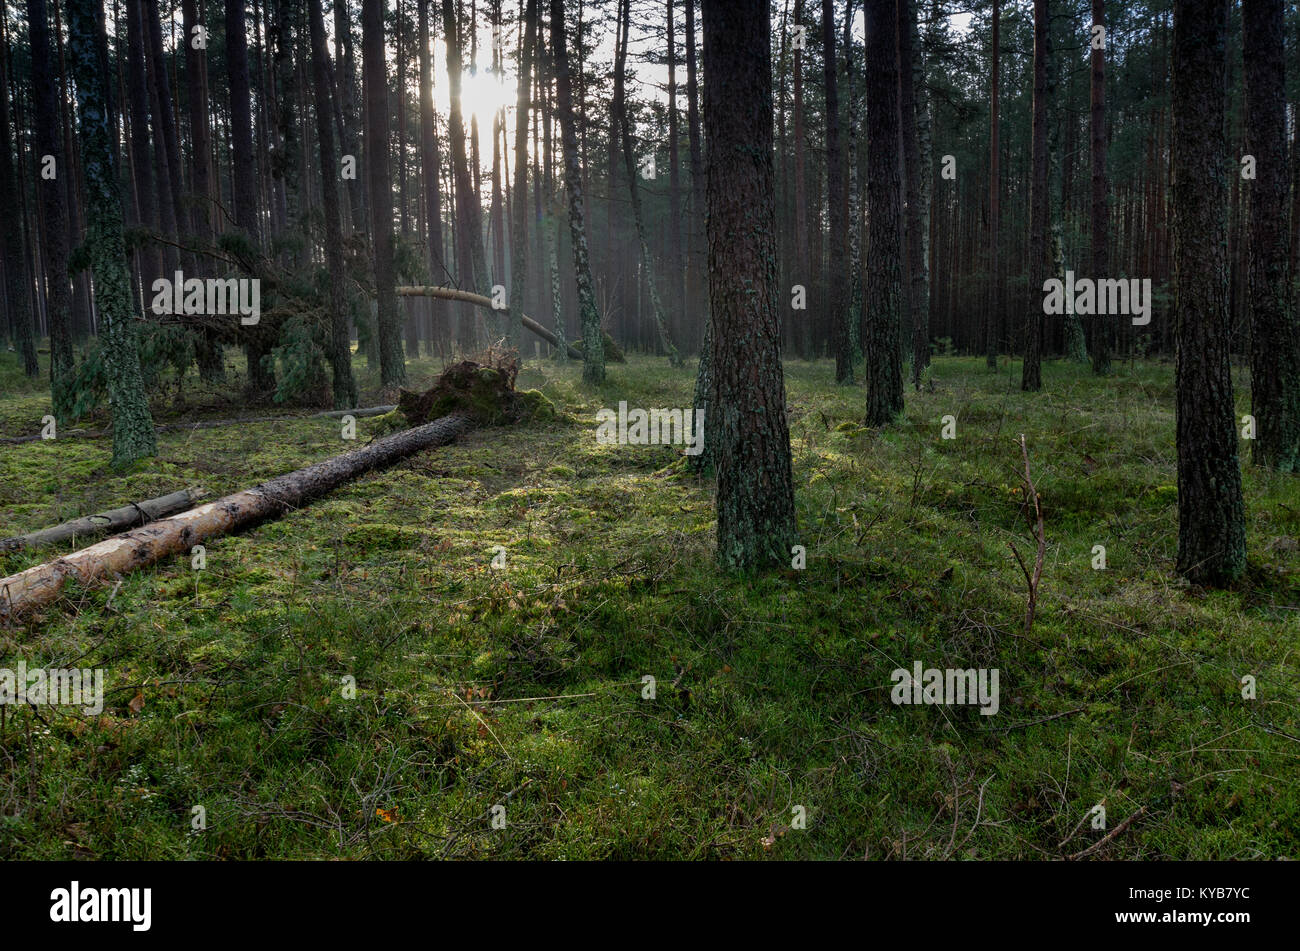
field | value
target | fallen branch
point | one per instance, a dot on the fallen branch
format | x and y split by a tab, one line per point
1109	836
1036	522
114	520
451	293
126	552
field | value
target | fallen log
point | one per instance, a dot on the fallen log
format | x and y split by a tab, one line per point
451	293
114	520
38	586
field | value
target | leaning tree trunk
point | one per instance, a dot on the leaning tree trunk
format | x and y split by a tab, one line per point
133	433
1274	333
38	586
1211	520
593	347
452	294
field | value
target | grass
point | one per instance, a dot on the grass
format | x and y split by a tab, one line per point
522	687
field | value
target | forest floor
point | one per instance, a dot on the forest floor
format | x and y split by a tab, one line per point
522	686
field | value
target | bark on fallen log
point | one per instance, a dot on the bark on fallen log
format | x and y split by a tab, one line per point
451	293
38	586
114	520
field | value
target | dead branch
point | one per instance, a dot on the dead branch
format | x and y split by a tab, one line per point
1036	521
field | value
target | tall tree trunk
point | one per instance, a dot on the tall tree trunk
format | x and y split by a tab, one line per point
53	199
630	170
165	126
519	226
1211	520
133	432
802	256
746	411
837	201
345	387
209	352
1031	378
261	377
593	347
142	164
392	365
678	297
345	80
697	284
916	170
430	162
881	317
1274	334
991	319
471	266
1100	326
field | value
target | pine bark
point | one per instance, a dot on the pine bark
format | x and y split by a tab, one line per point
133	432
593	346
1031	378
1211	520
756	524
52	195
881	317
837	206
1274	330
379	178
1100	326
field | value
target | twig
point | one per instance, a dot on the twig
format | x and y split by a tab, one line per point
1109	836
1032	580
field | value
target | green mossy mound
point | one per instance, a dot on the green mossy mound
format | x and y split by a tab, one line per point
485	391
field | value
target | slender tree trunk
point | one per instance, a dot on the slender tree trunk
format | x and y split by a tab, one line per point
392	365
53	200
1211	520
802	256
1274	333
133	432
519	224
431	163
593	347
916	171
746	411
1031	378
638	217
471	266
881	316
991	319
345	387
1099	344
837	201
